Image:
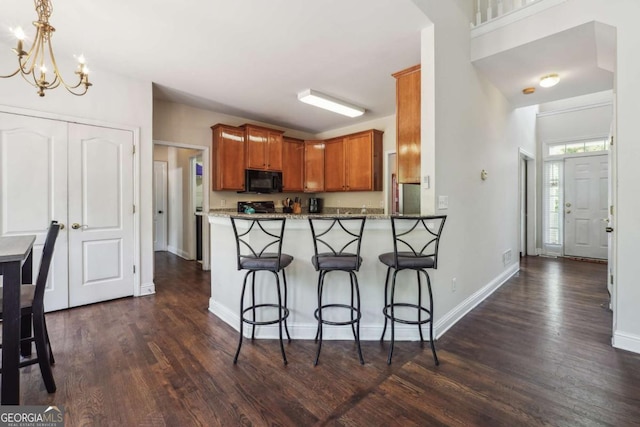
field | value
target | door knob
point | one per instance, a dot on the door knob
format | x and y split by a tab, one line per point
609	229
568	204
61	226
75	226
160	212
569	211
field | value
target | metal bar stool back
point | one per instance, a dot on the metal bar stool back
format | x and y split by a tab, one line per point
336	245
416	242
259	248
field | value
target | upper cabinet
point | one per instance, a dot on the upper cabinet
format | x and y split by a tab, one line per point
264	148
292	164
408	125
354	162
228	149
314	160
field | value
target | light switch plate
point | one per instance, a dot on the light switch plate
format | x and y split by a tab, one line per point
443	202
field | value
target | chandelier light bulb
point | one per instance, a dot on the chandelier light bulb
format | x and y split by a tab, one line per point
43	69
18	32
81	59
85	69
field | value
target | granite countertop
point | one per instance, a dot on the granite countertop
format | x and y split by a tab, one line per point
346	213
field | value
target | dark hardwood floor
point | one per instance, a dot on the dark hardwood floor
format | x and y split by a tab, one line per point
537	352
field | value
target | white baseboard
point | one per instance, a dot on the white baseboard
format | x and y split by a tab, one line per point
626	341
147	289
180	253
452	317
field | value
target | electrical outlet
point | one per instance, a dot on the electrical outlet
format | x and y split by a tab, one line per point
223	203
453	285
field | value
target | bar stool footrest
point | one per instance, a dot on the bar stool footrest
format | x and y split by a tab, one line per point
386	311
346	322
285	314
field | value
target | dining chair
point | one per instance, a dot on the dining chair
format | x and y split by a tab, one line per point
32	306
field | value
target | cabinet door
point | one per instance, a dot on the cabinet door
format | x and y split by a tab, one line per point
314	166
408	125
274	152
334	167
292	165
359	162
257	140
228	158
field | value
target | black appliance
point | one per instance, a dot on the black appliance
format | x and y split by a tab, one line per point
258	207
262	181
315	205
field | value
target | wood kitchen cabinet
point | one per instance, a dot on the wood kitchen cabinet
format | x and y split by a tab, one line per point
354	162
292	164
264	148
228	152
408	125
314	160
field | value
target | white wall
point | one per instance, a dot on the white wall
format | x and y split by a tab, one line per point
623	15
468	126
113	100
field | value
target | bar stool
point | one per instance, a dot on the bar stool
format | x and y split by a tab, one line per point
415	247
259	248
340	251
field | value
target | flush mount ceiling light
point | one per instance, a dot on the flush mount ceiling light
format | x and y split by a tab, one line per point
549	80
327	102
34	64
528	90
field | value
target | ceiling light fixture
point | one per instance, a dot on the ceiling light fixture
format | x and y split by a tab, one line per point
528	90
549	80
34	64
327	102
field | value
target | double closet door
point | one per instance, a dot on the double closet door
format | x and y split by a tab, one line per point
81	176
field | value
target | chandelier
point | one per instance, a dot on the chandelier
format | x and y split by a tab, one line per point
32	65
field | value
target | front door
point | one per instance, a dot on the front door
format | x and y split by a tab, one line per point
101	214
586	206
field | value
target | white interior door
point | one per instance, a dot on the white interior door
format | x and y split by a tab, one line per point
586	206
160	206
100	214
33	192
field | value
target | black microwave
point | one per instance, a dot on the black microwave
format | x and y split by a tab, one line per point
262	181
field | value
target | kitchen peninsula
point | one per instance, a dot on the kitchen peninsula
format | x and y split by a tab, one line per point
226	280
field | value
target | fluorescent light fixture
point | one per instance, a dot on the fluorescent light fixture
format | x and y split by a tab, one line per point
549	80
327	102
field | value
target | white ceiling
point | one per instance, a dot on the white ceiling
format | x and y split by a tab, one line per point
243	57
250	58
583	57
